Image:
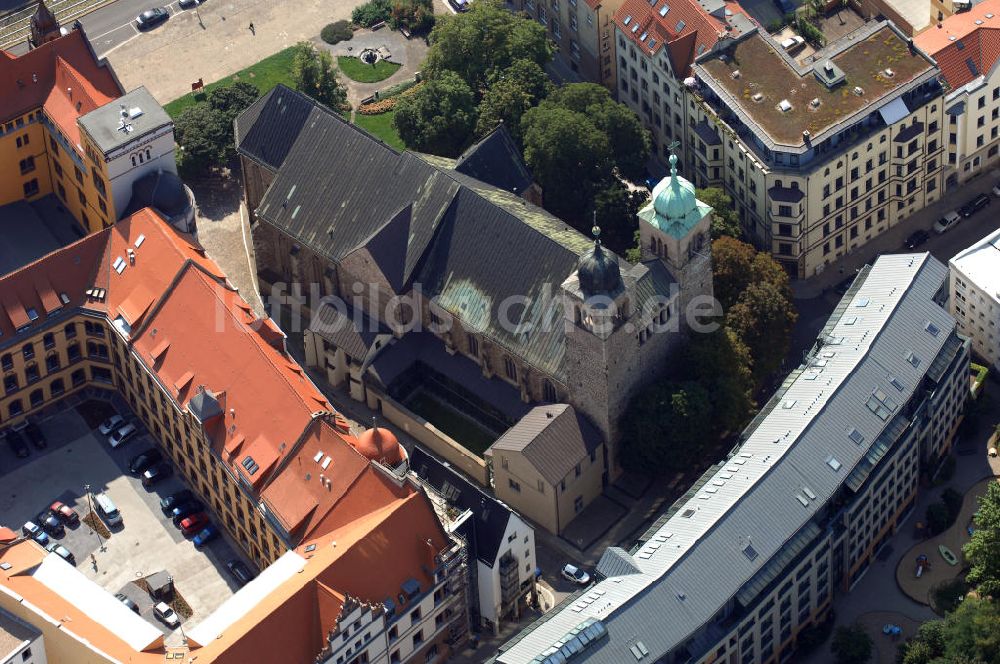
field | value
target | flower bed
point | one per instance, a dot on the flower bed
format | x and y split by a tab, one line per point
387	103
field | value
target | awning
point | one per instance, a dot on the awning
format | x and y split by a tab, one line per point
894	111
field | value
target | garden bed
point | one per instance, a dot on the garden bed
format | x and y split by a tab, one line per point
362	72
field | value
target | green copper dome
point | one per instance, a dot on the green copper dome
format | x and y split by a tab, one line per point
673	197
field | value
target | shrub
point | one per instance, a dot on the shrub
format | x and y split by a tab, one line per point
333	33
372	12
948	595
415	15
387	103
811	33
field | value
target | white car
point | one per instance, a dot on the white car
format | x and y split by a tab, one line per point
947	222
996	190
122	435
576	575
792	43
110	424
166	615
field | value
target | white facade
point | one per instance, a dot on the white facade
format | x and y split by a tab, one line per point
518	549
975	296
148	152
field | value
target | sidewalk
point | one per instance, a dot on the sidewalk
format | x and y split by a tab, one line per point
891	241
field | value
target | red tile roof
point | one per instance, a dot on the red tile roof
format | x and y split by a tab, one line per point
686	29
965	45
58	75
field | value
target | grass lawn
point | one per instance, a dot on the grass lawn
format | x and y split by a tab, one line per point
381	126
464	431
356	70
264	75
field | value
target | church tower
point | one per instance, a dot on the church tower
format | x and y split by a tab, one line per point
44	26
675	228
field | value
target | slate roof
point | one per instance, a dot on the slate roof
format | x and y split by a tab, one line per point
102	124
490	516
268	129
349	330
694	563
496	160
553	438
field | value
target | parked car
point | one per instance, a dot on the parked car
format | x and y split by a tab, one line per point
111	424
50	524
151	18
996	190
240	572
575	574
974	206
62	552
947	222
17	444
792	43
173	500
185	510
159	471
34	434
166	615
916	239
460	5
208	534
187	4
143	460
35	532
123	598
122	435
64	512
107	509
191	525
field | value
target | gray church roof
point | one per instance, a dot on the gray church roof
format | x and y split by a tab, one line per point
496	160
553	437
268	129
878	343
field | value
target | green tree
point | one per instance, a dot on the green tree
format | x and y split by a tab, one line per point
970	631
482	41
314	73
938	517
982	551
568	156
616	206
721	362
763	319
725	221
664	427
917	652
851	645
736	264
439	117
509	95
233	99
205	135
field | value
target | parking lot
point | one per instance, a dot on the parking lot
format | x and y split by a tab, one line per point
146	542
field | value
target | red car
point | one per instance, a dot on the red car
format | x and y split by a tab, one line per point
191	525
64	512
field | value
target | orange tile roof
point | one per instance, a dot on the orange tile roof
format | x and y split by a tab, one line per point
41	77
965	45
686	29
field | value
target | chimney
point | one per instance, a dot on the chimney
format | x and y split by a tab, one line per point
69	92
131	257
34	78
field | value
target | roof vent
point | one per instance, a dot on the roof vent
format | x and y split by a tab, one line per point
888	72
952	37
828	67
815	102
784	105
34	78
663	10
805	134
628	19
735	74
858	90
979	21
131	256
758	97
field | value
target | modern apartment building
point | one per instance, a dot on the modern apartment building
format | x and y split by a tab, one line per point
231	408
975	296
582	31
68	128
820	479
965	46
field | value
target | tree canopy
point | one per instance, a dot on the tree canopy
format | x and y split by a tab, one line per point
736	264
851	645
982	551
664	427
616	207
439	117
483	41
205	131
967	635
509	94
725	221
763	319
313	73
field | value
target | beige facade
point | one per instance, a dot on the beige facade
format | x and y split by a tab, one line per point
518	483
582	31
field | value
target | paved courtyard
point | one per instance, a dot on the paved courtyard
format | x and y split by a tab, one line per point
147	541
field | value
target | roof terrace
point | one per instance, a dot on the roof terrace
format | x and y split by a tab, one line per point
784	101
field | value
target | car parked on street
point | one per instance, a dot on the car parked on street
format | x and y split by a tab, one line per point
35	532
151	17
575	574
974	206
240	572
185	510
123	598
208	534
113	423
62	552
17	445
34	434
50	524
191	525
188	4
64	512
168	503
916	239
166	615
122	435
996	190
947	222
158	472
143	460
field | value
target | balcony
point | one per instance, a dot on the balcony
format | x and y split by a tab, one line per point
509	586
